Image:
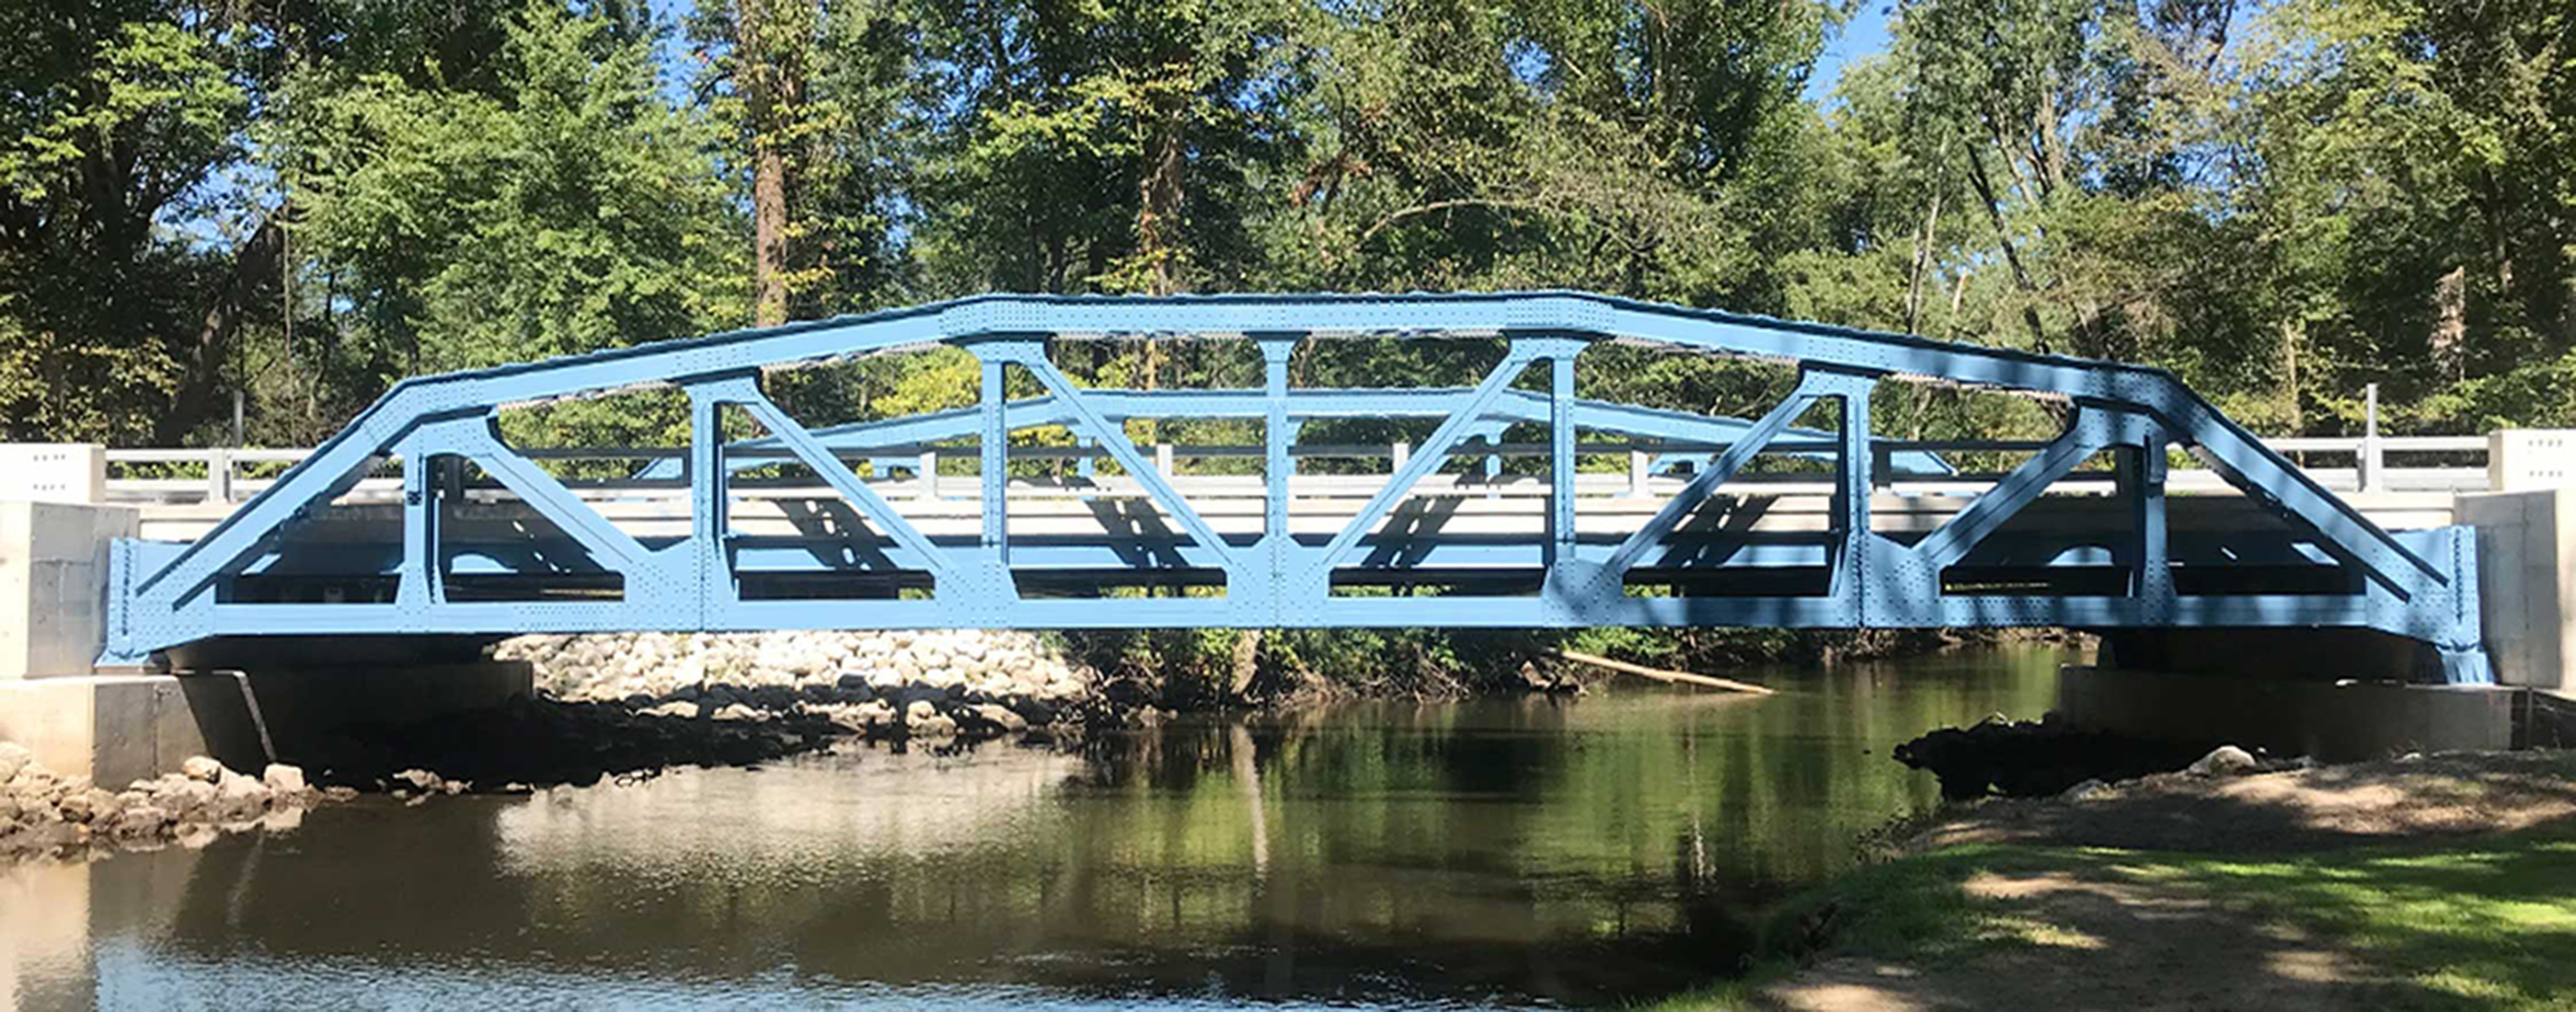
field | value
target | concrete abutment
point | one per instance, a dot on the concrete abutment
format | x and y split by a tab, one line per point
2332	721
2346	694
245	708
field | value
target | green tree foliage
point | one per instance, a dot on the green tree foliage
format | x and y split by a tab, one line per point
2420	169
114	122
574	211
2281	199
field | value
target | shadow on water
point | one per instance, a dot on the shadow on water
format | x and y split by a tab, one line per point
1389	854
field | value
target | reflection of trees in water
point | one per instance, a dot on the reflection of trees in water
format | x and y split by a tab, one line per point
1622	842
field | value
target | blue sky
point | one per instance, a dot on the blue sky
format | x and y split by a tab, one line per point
1864	34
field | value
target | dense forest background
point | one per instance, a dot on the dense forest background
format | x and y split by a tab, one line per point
306	200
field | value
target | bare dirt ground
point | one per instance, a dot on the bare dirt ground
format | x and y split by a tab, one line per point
2136	944
2424	799
2126	946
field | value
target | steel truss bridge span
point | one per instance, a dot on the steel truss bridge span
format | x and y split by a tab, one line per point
1393	554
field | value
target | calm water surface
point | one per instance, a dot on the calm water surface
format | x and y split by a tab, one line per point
1505	853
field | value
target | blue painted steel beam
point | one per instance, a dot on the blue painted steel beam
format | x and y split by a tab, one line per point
1304	404
2417	583
1684	552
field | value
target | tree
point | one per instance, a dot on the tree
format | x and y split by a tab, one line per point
576	212
119	115
2412	164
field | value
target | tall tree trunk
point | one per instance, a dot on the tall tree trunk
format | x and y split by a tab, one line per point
257	267
1923	247
1247	663
2297	417
1158	206
2012	258
767	90
769	236
1158	229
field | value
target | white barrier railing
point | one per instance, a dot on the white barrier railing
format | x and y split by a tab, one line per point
222	475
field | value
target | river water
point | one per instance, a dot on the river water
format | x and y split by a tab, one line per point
1494	853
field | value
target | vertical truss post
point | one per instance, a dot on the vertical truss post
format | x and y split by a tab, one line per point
1275	437
420	588
996	449
1277	432
1852	490
1560	459
2151	569
708	476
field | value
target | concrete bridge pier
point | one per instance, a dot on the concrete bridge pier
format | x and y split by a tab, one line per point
240	706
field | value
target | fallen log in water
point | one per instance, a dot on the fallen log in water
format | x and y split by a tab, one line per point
1659	674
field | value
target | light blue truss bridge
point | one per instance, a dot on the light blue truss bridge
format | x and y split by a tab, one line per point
519	549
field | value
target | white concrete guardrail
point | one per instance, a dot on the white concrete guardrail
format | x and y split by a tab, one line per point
2343	464
184	492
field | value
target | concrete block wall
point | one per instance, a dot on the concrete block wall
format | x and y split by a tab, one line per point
53	584
2527	584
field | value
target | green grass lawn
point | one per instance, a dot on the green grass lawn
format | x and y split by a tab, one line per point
2488	924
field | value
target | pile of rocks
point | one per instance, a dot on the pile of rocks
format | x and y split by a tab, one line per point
539	742
42	812
936	684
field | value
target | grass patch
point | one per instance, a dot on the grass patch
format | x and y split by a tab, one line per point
2484	925
2488	925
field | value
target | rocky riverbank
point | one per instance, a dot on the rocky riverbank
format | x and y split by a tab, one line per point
893	684
46	814
655	668
633	704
